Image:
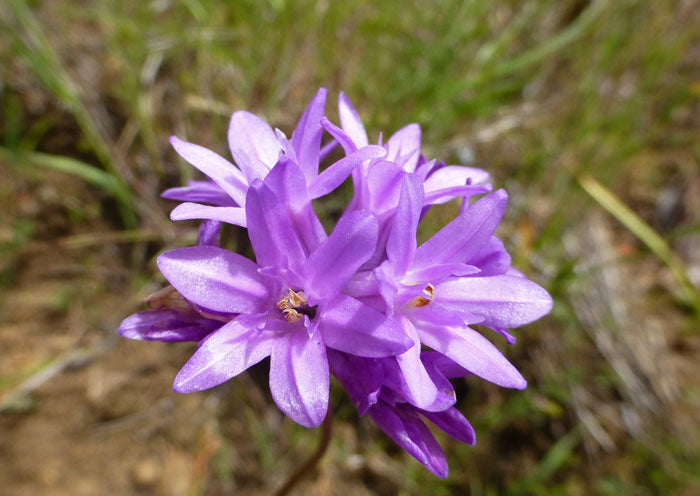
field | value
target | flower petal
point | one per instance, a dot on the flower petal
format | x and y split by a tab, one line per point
454	175
274	240
473	352
189	211
465	235
216	279
415	384
503	301
200	192
383	187
299	379
254	145
403	148
453	423
166	325
225	354
401	245
289	185
492	259
436	273
361	377
466	191
337	259
403	425
340	136
351	122
306	138
350	326
438	363
334	175
209	233
220	170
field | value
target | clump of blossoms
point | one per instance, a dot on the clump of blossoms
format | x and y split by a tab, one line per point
388	318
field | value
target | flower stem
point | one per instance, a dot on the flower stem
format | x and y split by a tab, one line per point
312	461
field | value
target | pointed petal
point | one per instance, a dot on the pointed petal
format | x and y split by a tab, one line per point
216	279
166	325
473	352
274	240
299	379
189	211
339	135
439	196
361	377
220	170
503	301
401	245
306	138
510	339
406	429
209	233
223	355
465	235
337	259
351	122
437	362
453	423
425	168
383	185
419	388
334	175
436	273
289	185
492	259
454	175
350	326
200	192
403	147
287	182
254	145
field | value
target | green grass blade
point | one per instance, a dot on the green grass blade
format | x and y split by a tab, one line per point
646	234
84	171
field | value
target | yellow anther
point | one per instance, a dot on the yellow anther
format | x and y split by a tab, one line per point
291	303
422	301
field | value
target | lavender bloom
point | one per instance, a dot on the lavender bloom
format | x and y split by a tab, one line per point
256	149
368	383
363	303
289	306
435	291
377	181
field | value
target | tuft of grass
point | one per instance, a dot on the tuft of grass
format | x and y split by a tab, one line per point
35	49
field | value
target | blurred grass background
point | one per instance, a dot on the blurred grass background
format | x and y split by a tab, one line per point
585	111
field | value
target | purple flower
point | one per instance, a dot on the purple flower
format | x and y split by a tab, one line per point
391	320
256	148
377	182
435	291
289	304
368	382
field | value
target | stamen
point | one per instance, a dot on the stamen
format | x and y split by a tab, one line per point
422	301
294	305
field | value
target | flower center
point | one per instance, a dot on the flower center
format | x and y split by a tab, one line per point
423	301
294	304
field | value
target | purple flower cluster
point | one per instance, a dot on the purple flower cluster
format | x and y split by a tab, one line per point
389	319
